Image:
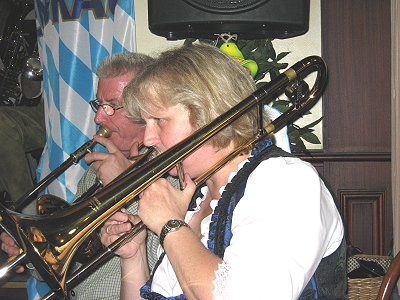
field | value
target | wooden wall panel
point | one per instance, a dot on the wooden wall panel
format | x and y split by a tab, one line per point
355	161
356	47
361	186
364	212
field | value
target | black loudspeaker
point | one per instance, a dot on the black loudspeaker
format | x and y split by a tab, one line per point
249	19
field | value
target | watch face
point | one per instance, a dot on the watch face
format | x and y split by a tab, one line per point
170	226
173	224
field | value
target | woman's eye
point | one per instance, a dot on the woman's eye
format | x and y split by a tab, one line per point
158	120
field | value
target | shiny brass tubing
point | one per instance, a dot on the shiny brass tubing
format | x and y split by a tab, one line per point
73	159
79	275
12	262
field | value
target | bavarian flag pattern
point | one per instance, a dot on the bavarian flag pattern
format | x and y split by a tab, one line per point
73	37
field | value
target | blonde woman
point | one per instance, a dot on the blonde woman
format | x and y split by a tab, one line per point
262	227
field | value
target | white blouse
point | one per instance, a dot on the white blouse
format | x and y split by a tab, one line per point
283	226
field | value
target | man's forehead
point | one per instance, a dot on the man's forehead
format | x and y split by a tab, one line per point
111	90
119	80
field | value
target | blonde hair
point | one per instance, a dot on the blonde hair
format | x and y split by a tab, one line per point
201	78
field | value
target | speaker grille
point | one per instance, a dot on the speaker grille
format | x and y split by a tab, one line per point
225	6
249	19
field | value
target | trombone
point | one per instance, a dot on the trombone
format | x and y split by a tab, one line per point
74	158
50	242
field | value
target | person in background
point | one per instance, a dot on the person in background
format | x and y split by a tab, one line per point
114	73
263	226
22	131
22	126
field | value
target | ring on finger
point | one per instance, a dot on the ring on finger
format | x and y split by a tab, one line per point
108	229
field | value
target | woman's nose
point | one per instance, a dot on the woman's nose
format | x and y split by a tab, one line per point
151	137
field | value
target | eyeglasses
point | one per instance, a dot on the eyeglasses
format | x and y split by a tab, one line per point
107	108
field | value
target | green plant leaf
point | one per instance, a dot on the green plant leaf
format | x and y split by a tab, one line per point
281	55
189	41
297	146
312	124
311	138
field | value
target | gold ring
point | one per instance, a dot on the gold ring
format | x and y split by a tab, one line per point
108	229
101	182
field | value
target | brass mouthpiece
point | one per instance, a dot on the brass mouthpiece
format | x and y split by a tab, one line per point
103	131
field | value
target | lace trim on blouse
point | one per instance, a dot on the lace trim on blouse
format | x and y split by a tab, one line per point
220	281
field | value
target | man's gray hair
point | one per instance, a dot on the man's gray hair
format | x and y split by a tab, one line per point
122	63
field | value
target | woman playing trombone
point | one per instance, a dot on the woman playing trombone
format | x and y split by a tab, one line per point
262	226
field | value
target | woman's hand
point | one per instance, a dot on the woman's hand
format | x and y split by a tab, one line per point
161	202
118	224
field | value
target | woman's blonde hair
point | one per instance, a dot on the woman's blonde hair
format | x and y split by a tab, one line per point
201	78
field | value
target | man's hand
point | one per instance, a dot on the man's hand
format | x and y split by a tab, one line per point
118	224
109	165
9	246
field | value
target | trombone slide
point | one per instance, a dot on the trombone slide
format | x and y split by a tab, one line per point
73	159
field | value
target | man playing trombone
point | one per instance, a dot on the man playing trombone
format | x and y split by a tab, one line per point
114	73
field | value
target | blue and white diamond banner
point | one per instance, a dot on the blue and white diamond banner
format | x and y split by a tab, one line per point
74	36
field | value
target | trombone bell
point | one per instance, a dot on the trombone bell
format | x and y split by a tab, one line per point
50	250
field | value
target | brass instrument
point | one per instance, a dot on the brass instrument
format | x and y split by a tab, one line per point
73	159
47	204
50	242
92	245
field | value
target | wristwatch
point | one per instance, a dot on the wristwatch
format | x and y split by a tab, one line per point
171	226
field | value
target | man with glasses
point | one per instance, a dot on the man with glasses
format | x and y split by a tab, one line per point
114	74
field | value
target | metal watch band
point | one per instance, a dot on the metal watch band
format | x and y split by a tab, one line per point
171	226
